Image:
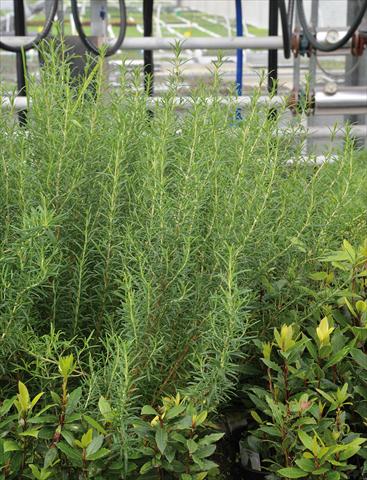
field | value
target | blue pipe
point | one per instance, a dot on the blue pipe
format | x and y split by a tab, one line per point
239	31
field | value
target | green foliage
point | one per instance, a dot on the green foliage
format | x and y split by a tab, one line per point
315	400
307	429
175	440
154	247
56	440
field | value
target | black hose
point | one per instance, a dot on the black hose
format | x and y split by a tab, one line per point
273	53
21	58
148	54
285	28
290	17
88	44
334	46
39	37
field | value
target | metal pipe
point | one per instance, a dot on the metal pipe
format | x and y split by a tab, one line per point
351	101
98	20
359	131
210	43
243	101
239	53
312	65
184	102
330	36
20	29
17	103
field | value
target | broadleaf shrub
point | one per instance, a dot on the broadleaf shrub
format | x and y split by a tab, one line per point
310	417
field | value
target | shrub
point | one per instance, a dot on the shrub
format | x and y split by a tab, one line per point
56	440
175	440
157	245
315	402
305	436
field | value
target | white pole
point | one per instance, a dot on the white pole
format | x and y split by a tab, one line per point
191	43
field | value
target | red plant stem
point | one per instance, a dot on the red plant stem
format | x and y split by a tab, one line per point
85	463
334	374
64	401
270	380
286	384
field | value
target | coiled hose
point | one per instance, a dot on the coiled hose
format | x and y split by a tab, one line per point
112	49
40	36
323	47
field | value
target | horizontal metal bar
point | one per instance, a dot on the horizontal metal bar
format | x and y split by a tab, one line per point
318	132
192	43
243	101
353	100
359	131
17	103
349	101
20	103
16	41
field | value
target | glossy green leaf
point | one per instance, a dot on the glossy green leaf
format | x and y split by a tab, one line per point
161	439
71	453
306	440
175	411
148	410
93	423
101	453
359	357
292	472
30	432
11	446
95	445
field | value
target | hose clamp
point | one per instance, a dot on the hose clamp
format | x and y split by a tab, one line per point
359	43
300	45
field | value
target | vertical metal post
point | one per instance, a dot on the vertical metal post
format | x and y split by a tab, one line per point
356	67
20	30
98	18
273	54
351	72
297	77
60	12
312	66
60	15
239	31
148	54
296	60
